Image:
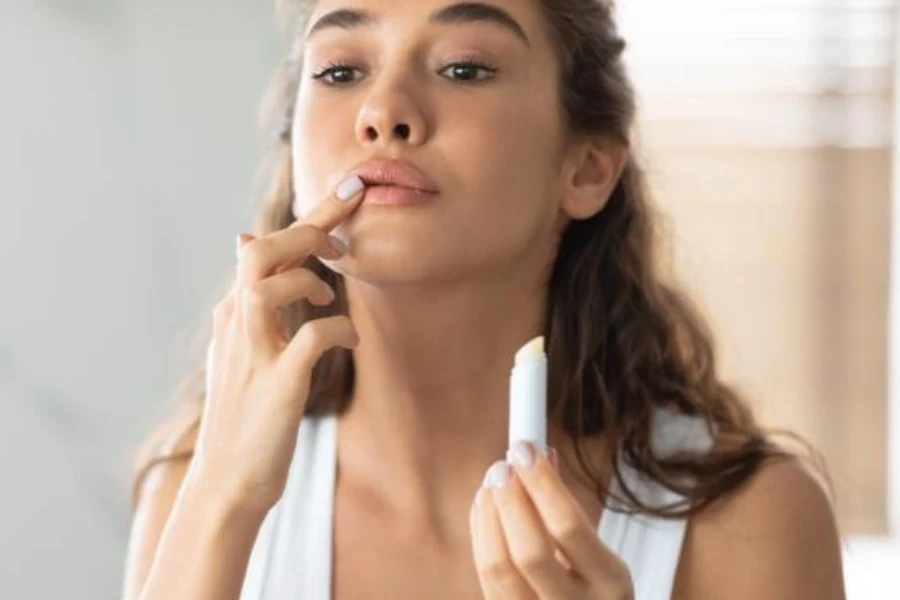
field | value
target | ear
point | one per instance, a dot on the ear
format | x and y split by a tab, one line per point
591	176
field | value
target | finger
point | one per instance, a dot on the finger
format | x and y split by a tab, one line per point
499	578
242	240
236	319
564	518
310	342
264	301
530	547
293	245
337	206
283	250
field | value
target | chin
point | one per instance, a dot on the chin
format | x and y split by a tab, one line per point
387	263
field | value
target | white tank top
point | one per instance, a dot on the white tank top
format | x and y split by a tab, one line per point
291	558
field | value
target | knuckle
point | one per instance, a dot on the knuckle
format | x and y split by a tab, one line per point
222	312
531	560
308	280
254	252
568	531
312	335
543	478
255	295
498	571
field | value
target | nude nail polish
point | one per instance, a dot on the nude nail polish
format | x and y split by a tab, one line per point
349	188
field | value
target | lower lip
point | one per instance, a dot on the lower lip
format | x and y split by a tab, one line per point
394	195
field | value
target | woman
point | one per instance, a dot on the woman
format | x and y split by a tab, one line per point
354	393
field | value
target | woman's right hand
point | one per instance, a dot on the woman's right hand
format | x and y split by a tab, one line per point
257	379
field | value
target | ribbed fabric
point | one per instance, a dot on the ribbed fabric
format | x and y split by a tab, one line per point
291	558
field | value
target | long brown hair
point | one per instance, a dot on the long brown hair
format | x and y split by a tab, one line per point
621	338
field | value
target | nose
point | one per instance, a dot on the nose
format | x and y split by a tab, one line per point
390	115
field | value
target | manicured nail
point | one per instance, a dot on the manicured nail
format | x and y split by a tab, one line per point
349	188
338	244
479	496
241	239
498	474
521	455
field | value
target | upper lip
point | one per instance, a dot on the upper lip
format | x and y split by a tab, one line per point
394	172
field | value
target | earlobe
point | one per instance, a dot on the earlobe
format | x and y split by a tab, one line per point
597	171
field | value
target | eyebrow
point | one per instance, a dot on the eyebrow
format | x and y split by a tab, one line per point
461	12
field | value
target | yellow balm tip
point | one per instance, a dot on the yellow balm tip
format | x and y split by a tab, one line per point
533	348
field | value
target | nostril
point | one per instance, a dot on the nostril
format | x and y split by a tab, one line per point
402	130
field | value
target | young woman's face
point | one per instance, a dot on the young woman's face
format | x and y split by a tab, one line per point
471	97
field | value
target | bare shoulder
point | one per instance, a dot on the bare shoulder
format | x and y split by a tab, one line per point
775	537
155	499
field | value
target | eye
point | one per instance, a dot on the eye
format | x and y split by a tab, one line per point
469	71
466	71
335	74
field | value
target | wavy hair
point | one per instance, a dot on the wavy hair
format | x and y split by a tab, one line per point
621	338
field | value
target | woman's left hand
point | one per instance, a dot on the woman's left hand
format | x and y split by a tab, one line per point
532	541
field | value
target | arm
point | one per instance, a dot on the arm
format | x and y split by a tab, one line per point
196	524
156	498
186	541
776	538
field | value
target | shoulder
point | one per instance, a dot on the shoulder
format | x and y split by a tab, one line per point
774	537
155	497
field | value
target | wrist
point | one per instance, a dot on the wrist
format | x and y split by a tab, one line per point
224	502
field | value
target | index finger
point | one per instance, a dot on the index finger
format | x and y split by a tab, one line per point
291	246
336	207
564	518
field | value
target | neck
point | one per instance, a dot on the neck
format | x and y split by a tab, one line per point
430	406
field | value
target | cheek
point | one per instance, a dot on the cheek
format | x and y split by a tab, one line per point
312	143
506	154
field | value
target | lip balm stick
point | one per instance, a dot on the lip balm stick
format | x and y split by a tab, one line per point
528	395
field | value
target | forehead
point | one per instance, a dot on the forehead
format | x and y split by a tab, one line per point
519	18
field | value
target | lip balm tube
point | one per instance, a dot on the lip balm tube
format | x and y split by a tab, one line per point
528	395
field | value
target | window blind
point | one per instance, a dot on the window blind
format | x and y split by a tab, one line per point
795	73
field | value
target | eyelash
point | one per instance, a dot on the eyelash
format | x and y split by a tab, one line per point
330	68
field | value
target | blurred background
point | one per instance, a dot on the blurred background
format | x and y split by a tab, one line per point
127	146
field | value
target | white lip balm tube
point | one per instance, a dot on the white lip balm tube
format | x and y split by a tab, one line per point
528	395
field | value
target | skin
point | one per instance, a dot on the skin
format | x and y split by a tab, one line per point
429	413
441	296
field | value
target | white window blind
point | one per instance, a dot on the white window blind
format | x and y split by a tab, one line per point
796	73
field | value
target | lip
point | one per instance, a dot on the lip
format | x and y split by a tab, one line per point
395	174
395	195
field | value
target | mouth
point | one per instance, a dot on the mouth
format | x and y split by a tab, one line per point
396	195
395	173
399	186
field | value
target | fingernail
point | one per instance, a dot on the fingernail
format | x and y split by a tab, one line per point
498	474
553	456
241	239
350	188
338	244
521	455
479	496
